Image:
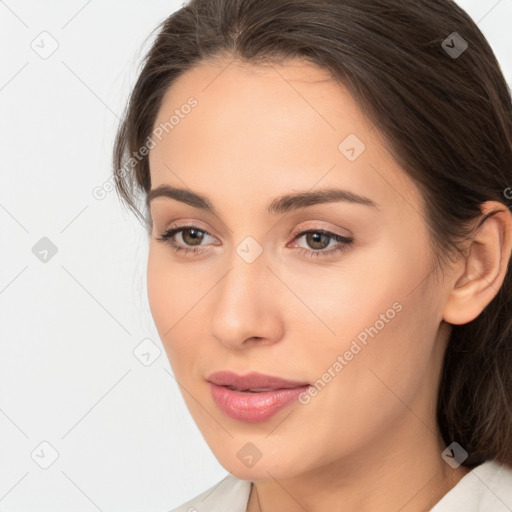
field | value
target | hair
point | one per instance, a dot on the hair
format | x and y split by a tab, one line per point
447	121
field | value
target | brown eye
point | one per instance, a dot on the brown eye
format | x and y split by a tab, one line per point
191	238
194	237
318	243
317	240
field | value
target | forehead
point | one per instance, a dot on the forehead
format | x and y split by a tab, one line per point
270	126
261	106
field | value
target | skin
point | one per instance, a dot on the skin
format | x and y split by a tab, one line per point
369	440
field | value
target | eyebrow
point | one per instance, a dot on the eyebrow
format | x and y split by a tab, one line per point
279	205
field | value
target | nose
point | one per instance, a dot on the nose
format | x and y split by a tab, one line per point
246	306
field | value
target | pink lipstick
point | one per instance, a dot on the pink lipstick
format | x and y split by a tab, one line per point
253	397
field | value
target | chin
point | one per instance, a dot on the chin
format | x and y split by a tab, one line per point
272	466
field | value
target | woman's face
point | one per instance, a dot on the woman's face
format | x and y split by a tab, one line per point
270	289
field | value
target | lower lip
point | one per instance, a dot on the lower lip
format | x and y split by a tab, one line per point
253	407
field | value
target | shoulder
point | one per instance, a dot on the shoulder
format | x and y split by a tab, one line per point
230	494
486	488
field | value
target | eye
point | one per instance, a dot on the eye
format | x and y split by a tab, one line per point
319	240
190	235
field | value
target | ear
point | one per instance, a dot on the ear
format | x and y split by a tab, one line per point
485	266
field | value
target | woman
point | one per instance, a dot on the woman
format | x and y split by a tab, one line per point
326	190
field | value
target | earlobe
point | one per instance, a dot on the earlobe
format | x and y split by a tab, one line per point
485	266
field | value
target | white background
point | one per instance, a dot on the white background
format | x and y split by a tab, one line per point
68	327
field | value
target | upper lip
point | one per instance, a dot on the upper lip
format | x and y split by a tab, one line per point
253	380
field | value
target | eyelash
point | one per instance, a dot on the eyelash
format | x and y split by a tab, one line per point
167	237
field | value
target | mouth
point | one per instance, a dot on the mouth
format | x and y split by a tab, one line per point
253	381
251	390
254	397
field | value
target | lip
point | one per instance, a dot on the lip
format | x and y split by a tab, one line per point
232	394
253	380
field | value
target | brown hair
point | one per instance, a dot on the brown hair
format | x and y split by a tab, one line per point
447	120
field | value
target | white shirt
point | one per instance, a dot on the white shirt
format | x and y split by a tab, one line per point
486	488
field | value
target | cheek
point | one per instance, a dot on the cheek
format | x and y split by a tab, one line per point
161	299
378	321
175	295
339	300
373	381
166	293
